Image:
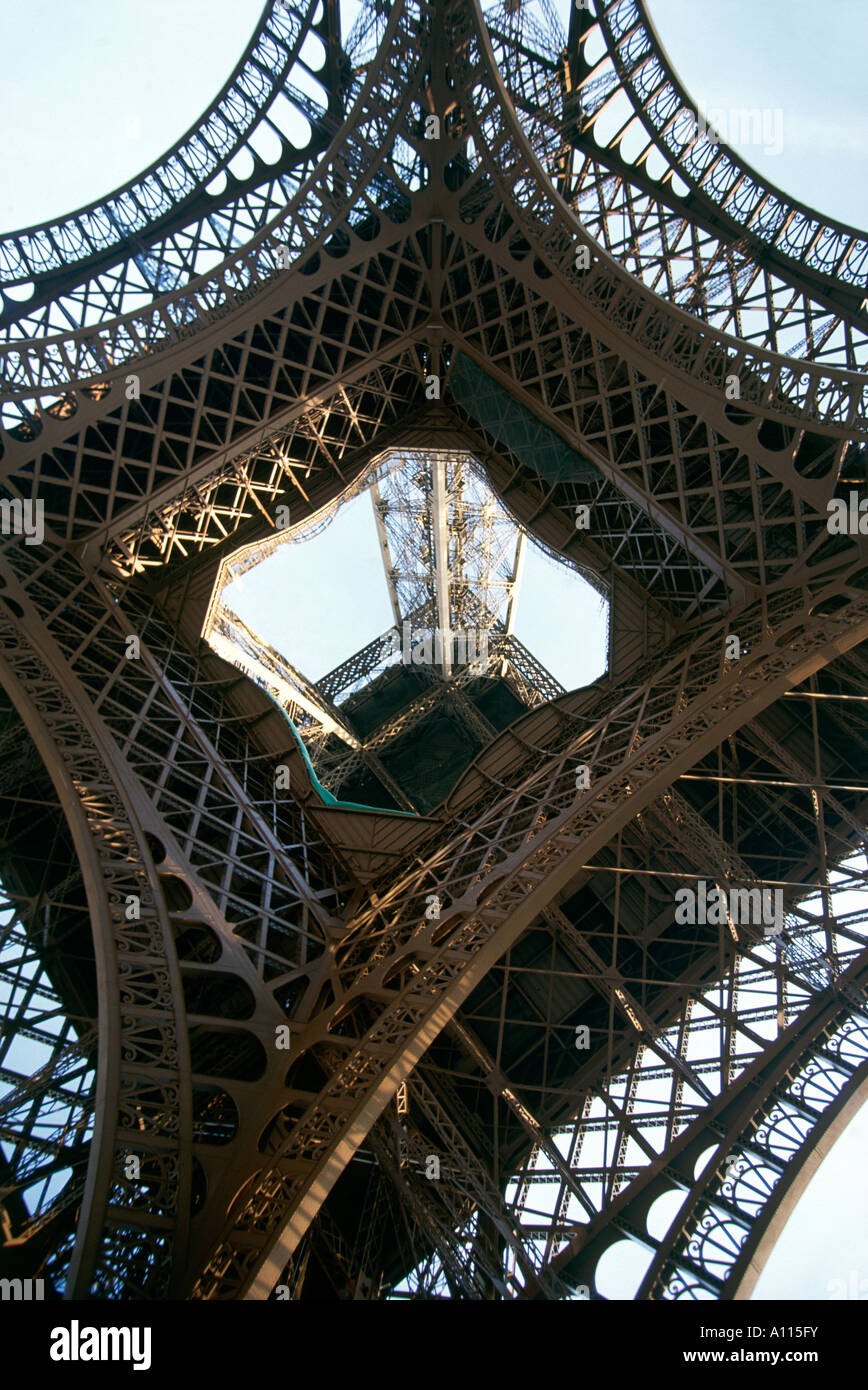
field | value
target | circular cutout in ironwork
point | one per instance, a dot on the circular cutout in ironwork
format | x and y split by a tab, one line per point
176	892
736	416
827	607
156	847
232	1053
816	456
774	436
196	942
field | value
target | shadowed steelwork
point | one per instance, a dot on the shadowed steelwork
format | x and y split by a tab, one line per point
301	1014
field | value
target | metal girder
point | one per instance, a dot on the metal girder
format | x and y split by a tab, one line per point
283	369
143	1074
451	562
442	570
167	207
524	878
732	249
380	507
749	1120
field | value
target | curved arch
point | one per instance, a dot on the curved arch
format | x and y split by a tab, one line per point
140	995
101	1155
762	1122
391	983
668	333
489	908
742	1229
288	236
167	187
831	250
640	218
852	1101
825	396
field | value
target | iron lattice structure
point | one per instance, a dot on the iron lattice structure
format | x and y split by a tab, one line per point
453	565
253	323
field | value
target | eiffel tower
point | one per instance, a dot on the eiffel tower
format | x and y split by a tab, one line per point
353	1032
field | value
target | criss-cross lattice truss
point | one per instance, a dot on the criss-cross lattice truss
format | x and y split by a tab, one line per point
264	1041
453	563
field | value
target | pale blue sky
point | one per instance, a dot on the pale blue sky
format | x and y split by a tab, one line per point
83	136
560	617
109	84
808	60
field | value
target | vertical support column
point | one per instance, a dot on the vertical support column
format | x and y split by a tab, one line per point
440	530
